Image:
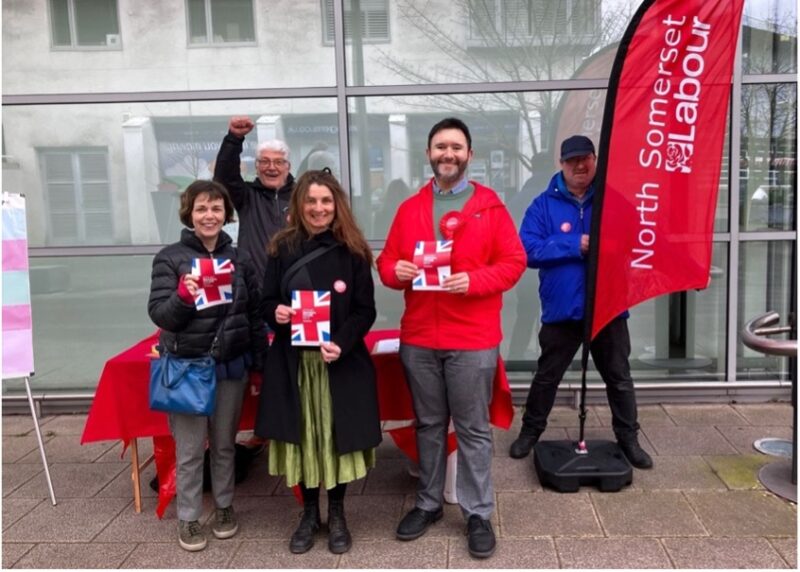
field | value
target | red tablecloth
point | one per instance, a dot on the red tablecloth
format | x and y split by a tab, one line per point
121	409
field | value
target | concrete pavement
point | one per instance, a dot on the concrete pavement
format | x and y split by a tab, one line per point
701	507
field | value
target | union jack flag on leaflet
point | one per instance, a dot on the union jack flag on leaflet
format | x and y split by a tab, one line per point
215	283
311	323
433	259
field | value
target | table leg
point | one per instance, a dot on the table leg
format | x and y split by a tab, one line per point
137	488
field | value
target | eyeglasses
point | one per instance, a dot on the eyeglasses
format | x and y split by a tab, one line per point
268	163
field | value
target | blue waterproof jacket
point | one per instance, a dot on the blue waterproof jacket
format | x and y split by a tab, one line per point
551	234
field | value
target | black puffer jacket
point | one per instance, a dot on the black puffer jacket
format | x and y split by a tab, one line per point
262	210
187	332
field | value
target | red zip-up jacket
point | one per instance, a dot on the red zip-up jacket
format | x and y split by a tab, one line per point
485	246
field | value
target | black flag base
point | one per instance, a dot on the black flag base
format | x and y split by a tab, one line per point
562	466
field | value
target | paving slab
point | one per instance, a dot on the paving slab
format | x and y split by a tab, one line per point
122	485
514	474
68	449
15	509
275	554
547	514
692	440
371	516
631	553
114	453
425	553
15	448
673	472
744	513
169	555
390	476
766	413
268	518
71	520
693	415
511	553
743	437
739	472
563	416
504	439
258	481
75	555
66	424
13	551
787	548
130	526
723	553
18	425
646	513
14	476
647	416
72	480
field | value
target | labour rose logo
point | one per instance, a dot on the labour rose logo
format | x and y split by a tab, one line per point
679	157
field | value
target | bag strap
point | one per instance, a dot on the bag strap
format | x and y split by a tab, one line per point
298	264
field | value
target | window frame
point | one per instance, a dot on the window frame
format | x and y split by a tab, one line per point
73	30
209	42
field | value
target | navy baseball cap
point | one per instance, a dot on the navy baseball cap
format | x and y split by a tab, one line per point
576	146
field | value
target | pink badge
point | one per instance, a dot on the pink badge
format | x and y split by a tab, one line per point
340	286
566	227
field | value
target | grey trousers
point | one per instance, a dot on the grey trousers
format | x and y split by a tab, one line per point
457	384
190	433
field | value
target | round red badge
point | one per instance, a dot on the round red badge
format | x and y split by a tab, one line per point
449	223
566	227
340	286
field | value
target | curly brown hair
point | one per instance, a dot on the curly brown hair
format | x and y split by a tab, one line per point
344	226
214	190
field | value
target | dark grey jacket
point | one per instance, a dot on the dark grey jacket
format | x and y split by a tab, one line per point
261	210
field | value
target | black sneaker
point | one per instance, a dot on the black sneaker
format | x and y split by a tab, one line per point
521	448
416	522
637	456
480	537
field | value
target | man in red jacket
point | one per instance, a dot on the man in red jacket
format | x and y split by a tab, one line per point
449	338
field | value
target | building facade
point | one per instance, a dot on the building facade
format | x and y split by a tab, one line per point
111	107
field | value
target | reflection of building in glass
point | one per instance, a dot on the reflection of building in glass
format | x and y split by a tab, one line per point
110	112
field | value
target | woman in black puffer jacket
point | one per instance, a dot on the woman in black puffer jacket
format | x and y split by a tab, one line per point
189	332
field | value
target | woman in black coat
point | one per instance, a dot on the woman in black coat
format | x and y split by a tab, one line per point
319	405
233	333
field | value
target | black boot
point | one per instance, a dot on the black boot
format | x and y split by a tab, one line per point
522	446
339	540
303	538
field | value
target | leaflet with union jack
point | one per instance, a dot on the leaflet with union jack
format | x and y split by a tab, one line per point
433	259
311	323
215	282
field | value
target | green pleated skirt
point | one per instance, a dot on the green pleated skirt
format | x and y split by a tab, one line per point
315	460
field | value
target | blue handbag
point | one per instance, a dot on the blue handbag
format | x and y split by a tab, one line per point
183	385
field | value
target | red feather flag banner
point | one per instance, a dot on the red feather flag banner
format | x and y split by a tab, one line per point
660	154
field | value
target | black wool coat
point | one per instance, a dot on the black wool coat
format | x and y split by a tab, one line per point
354	396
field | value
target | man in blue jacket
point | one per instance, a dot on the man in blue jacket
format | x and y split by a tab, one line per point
555	233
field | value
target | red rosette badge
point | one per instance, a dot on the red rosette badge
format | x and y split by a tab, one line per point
449	223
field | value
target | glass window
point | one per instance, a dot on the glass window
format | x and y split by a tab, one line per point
113	174
765	278
768	164
221	21
85	310
474	41
769	35
371	25
78	197
84	23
